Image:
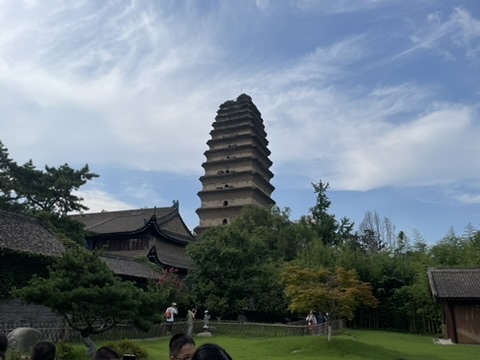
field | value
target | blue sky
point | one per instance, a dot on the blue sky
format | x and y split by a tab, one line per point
378	98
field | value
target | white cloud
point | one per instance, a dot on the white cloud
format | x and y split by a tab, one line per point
137	86
421	152
468	199
142	192
324	63
459	32
97	200
390	137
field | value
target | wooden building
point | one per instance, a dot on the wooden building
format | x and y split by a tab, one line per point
157	234
237	164
26	248
24	243
459	292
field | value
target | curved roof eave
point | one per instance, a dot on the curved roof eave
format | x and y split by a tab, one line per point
151	226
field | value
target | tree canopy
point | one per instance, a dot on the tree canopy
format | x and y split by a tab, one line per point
92	299
82	289
47	194
24	188
233	270
337	293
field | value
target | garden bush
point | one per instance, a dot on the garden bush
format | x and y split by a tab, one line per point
128	347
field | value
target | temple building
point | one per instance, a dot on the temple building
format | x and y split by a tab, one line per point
237	165
156	234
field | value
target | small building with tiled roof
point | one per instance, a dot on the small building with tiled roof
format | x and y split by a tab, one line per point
25	234
459	292
158	234
26	248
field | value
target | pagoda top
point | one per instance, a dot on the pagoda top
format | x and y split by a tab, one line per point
242	98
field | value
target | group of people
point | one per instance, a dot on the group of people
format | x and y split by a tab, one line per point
181	347
313	320
43	350
172	310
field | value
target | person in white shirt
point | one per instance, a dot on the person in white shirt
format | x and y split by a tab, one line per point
170	316
312	322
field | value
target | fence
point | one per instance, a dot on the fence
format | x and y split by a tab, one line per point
55	332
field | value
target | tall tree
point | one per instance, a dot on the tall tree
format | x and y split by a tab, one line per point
233	271
473	248
47	194
27	189
324	224
376	233
271	227
450	251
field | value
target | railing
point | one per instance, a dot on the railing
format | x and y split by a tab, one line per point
55	332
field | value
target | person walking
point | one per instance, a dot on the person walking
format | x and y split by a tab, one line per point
190	319
170	316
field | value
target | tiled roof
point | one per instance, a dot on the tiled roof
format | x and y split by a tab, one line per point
108	222
25	233
171	255
128	266
458	284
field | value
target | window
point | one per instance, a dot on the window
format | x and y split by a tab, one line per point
225	203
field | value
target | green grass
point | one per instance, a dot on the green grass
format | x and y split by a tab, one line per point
353	345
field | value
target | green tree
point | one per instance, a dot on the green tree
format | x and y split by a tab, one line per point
450	251
339	293
48	194
27	189
472	248
272	228
324	225
232	271
92	299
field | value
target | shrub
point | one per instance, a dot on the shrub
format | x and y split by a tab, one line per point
128	347
64	351
16	355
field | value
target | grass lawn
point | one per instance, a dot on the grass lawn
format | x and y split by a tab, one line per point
353	345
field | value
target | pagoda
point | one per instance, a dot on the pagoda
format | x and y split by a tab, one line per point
237	165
